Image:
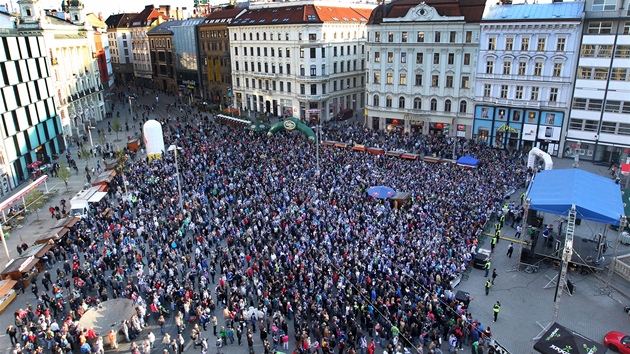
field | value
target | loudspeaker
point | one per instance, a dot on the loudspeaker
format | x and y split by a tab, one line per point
578	221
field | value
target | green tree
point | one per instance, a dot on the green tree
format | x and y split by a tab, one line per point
86	154
34	200
64	173
121	165
116	126
102	139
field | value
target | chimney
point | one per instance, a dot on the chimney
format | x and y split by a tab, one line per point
100	16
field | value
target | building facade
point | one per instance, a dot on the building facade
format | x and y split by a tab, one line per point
119	38
141	56
31	130
305	60
599	120
420	69
214	54
187	57
71	49
163	57
525	74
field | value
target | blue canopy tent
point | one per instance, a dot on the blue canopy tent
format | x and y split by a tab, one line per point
596	198
467	161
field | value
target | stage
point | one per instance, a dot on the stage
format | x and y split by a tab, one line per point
584	251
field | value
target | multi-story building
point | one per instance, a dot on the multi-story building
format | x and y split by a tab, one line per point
31	130
214	54
163	57
187	56
119	37
102	52
140	25
421	65
72	53
525	74
305	60
599	120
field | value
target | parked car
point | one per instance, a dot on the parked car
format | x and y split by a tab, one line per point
618	342
345	114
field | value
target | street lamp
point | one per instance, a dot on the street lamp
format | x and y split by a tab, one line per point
179	185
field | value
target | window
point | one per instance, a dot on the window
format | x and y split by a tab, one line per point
288	70
541	44
403	37
625	107
403	57
538	69
590	125
433	104
465	82
603	27
313	89
504	91
419	58
420	38
376	100
313	70
402	79
553	94
466	58
468	36
487	89
451	58
447	106
623	129
390	78
524	44
507	68
608	127
492	43
288	87
388	101
534	95
390	37
377	77
579	103
519	93
604	51
522	68
449	80
452	36
436	58
288	53
619	74
594	105
626	27
584	73
509	43
612	106
301	52
604	5
576	124
561	44
588	50
489	67
435	80
401	102
377	57
438	35
600	74
323	53
377	36
302	89
463	106
390	57
557	69
417	103
418	80
622	51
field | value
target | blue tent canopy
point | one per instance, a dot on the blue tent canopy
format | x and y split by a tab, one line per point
596	198
468	161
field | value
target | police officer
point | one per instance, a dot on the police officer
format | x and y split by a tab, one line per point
488	285
496	308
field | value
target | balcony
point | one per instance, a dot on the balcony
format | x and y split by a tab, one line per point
305	78
264	75
312	97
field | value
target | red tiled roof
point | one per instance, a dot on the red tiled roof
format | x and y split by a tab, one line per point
301	15
471	10
222	16
147	16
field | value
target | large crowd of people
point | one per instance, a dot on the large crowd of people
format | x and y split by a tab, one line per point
268	251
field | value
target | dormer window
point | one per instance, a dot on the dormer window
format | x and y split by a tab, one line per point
28	12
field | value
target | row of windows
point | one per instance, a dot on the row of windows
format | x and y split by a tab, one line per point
272	68
214	34
519	92
606	27
404	37
273	85
589	125
611	106
525	44
417	104
589	73
23	94
556	70
437	58
312	52
604	51
449	80
15	48
25	117
215	45
287	37
14	72
161	42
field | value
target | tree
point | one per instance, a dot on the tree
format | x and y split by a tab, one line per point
116	126
121	165
102	139
64	173
86	154
34	200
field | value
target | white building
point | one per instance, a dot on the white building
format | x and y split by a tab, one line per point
421	65
141	57
599	121
306	60
72	52
119	38
525	74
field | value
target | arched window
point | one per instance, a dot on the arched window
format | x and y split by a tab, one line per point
265	36
335	35
235	36
244	36
251	36
388	101
401	102
417	103
433	104
376	101
447	106
257	36
463	106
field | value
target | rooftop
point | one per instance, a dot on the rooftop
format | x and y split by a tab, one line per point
553	11
470	10
302	14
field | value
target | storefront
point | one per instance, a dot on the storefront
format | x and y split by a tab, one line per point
394	124
596	151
